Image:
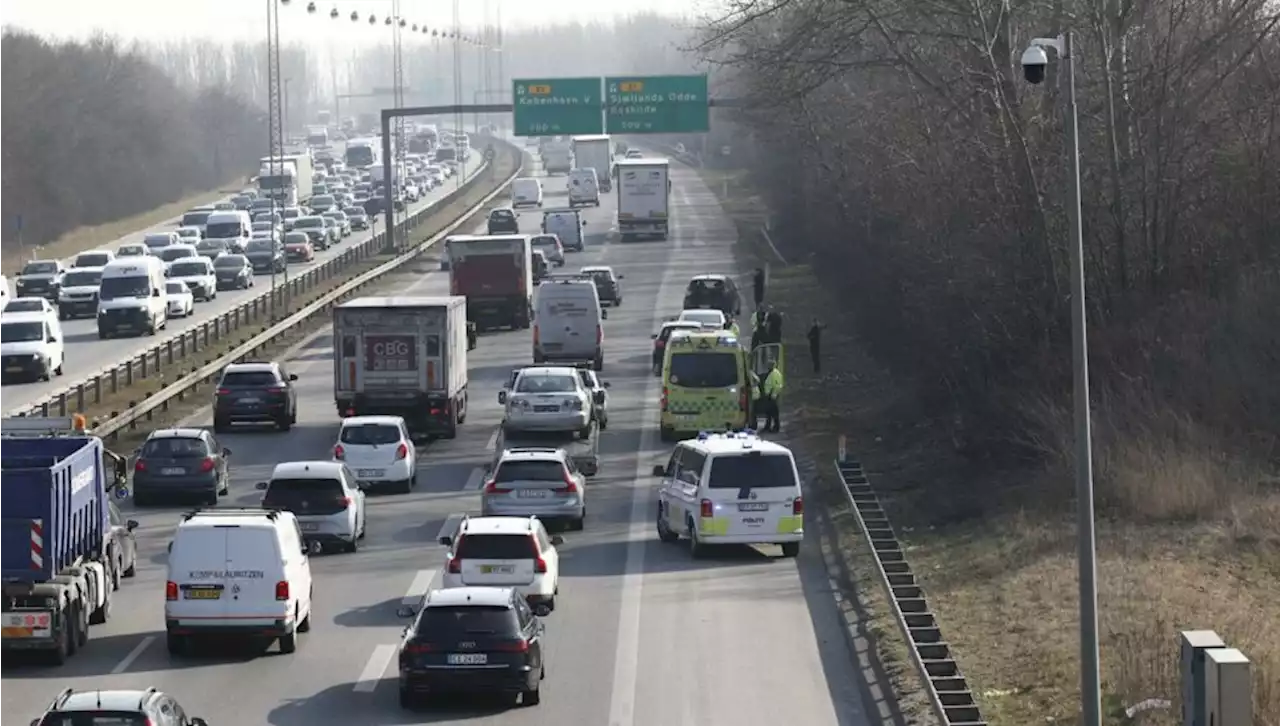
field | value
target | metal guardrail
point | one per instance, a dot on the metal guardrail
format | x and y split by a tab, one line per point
162	357
949	693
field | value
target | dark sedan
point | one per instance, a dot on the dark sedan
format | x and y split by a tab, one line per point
233	272
266	255
180	464
503	221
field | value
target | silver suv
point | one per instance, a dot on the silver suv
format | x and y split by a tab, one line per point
548	398
538	482
123	707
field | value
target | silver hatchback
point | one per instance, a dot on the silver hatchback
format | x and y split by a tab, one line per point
541	482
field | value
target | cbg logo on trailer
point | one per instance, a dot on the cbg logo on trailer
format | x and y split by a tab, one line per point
390	353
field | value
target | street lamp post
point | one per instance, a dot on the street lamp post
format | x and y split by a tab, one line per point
1034	61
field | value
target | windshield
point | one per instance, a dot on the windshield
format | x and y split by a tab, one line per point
705	317
448	624
291	213
211	244
546	384
260	245
40	268
308	222
95	718
292	494
123	287
551	242
511	471
175	448
667	330
81	279
224	229
183	269
169	254
600	276
495	547
359	156
229	261
296	238
25	306
195	219
175	288
323	200
354	212
263	226
370	434
275	181
336	216
753	471
502	214
248	379
24	332
704	370
93	259
132	251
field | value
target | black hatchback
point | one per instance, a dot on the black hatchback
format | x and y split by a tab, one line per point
503	221
180	464
255	393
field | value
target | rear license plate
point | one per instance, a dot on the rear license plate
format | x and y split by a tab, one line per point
370	472
753	507
309	526
467	659
497	569
202	594
546	409
250	400
12	632
173	471
531	493
14	369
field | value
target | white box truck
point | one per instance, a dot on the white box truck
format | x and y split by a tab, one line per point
595	152
644	198
557	159
403	356
287	179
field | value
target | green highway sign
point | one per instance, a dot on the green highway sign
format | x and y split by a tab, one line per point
656	105
556	106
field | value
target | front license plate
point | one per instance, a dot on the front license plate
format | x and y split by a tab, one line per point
370	472
753	507
497	569
309	526
467	659
202	594
173	471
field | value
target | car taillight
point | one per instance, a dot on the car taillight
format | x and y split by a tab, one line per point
797	507
140	465
171	591
224	391
539	564
708	510
491	487
282	590
659	344
276	389
511	646
570	486
416	648
345	502
339	452
665	392
455	565
206	465
401	452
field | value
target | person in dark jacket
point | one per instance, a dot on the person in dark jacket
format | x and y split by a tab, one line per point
757	283
773	327
815	345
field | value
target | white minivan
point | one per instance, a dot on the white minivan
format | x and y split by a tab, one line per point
231	226
584	188
526	192
31	346
568	323
237	572
131	297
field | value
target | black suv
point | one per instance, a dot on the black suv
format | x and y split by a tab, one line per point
503	221
118	707
472	639
255	393
716	292
607	284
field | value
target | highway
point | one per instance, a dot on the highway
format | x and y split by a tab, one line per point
642	635
86	354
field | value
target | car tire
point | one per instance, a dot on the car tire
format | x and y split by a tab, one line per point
697	550
790	549
584	433
175	644
288	643
604	423
305	625
598	364
579	524
406	486
531	697
132	569
212	499
665	533
285	423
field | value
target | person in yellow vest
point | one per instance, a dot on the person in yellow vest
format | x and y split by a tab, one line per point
732	327
770	390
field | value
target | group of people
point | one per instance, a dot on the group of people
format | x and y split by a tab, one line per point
766	329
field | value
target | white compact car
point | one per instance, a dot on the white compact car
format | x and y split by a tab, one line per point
197	274
513	552
31	346
708	319
378	449
547	398
133	249
237	571
181	303
326	499
745	490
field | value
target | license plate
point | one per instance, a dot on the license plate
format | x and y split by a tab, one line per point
531	493
173	470
753	507
497	569
309	526
203	594
11	632
14	369
467	659
370	472
251	401
546	409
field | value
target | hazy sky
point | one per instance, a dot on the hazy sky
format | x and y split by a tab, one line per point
158	19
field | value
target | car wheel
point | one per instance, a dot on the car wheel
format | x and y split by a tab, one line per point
132	569
790	549
285	423
665	533
305	625
531	697
697	550
175	644
288	643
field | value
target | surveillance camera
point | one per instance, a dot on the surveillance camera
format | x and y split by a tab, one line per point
1034	61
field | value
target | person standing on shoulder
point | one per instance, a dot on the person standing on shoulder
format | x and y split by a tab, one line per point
757	285
815	345
770	390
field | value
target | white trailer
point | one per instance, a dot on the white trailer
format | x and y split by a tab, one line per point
644	197
403	356
595	152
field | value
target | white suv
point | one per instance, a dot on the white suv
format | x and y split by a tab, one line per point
378	449
505	552
325	498
730	489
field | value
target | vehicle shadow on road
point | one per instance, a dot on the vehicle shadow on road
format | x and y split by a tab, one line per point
100	655
339	704
378	615
609	559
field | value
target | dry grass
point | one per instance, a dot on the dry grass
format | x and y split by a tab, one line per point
105	235
1188	537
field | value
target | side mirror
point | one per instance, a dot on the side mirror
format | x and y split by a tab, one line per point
502	397
131	525
155	293
598	397
659	471
606	384
226	452
169	548
293	376
604	314
446	540
260	486
654	336
51	339
622	277
556	540
405	611
199	722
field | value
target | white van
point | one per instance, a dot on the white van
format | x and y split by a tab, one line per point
568	225
237	572
31	346
584	188
131	297
232	226
526	192
567	323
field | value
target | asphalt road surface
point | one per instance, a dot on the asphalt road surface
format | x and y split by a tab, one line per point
642	635
87	355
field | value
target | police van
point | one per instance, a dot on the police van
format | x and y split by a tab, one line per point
730	488
706	384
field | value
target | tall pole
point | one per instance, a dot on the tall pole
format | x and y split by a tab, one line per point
275	121
1090	659
503	88
400	146
459	120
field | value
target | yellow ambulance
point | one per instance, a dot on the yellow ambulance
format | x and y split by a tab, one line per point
706	384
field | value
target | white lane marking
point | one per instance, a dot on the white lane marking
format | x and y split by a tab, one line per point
475	480
622	694
374	668
493	442
450	526
128	660
420	586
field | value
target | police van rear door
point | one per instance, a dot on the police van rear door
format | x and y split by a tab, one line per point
754	490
